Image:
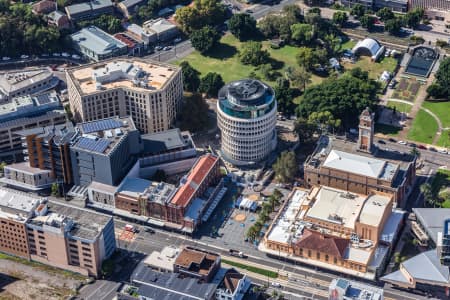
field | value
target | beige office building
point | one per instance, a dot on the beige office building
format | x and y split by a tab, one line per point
148	91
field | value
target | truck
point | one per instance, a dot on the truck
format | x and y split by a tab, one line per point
237	253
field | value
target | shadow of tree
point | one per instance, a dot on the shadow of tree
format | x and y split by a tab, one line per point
222	51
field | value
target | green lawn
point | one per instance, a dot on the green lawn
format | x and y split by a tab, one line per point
251	268
375	69
440	185
424	128
444	139
441	110
225	61
401	107
387	129
348	44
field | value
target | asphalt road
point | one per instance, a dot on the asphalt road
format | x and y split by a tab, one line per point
306	281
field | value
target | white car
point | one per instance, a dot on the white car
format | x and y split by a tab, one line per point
402	142
276	284
5	58
64	54
443	151
23	56
177	40
45	55
56	54
75	56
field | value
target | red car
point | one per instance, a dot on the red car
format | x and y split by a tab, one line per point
421	147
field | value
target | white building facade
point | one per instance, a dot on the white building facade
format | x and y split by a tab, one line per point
247	114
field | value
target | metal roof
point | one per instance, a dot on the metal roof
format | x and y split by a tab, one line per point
100	125
96	145
96	40
358	164
432	220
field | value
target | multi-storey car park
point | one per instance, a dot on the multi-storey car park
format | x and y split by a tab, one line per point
247	113
150	92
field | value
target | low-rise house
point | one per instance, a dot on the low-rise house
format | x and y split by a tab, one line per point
58	19
89	10
44	7
96	45
162	28
130	7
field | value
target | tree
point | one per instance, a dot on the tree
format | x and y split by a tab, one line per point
313	18
299	77
412	18
55	189
242	26
191	78
211	84
202	13
302	33
305	57
204	39
393	26
358	10
346	97
284	96
340	18
108	23
426	190
194	115
367	21
385	14
268	72
441	87
293	13
333	44
305	130
324	121
285	167
2	166
253	54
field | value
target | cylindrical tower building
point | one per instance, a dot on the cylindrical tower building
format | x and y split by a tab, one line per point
247	115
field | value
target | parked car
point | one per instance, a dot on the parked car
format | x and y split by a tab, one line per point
248	11
276	284
64	54
402	142
75	56
432	149
392	140
392	84
149	230
412	145
422	147
23	56
177	40
45	55
5	58
381	142
443	151
167	48
158	48
56	54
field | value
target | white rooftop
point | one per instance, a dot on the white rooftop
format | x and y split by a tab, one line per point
133	187
353	163
17	205
281	231
163	260
373	210
337	206
360	255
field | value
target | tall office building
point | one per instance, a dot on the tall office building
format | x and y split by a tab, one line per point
150	92
26	112
247	115
104	150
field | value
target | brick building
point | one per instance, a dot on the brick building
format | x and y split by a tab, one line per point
361	167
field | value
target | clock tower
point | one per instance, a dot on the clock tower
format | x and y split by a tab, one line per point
366	131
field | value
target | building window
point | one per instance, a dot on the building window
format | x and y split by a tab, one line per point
309	253
318	255
327	257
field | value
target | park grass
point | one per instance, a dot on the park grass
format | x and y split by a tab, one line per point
401	107
375	69
424	128
252	269
444	139
441	110
348	45
387	129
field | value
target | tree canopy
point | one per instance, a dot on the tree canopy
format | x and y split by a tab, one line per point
385	14
367	21
108	23
340	18
412	18
285	167
21	30
194	115
202	13
252	53
284	95
346	97
204	39
302	33
358	10
441	87
211	84
242	26
191	78
393	26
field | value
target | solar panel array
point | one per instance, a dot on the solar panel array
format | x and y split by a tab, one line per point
100	125
44	98
98	145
